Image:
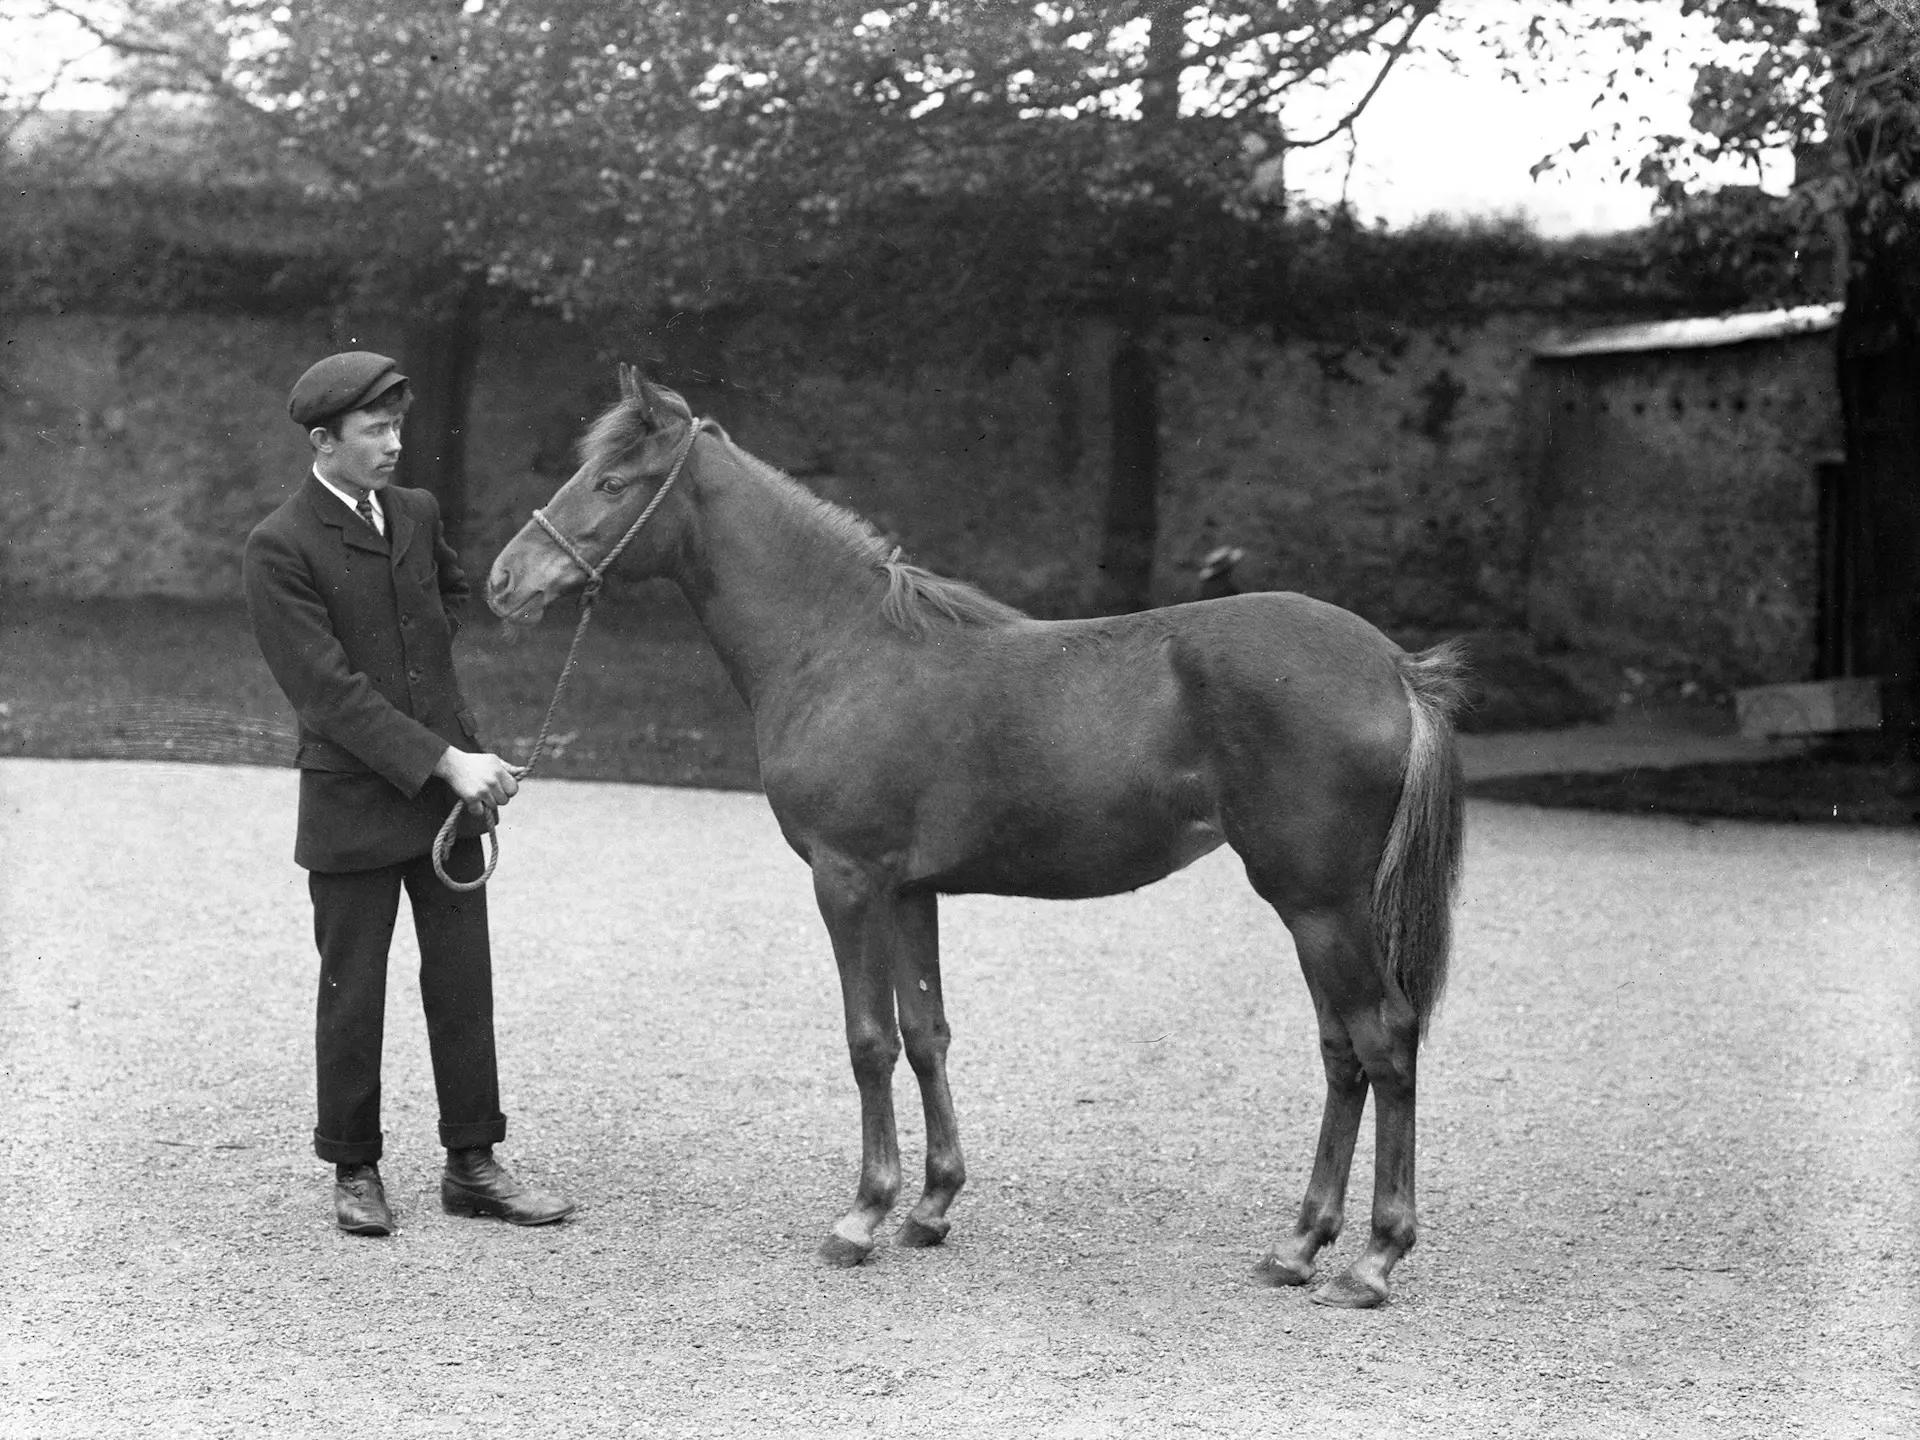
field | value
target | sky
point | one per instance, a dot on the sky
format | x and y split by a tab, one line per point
1439	142
1438	139
1462	140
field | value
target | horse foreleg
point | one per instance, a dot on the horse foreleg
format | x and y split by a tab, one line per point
859	912
1386	1038
923	1026
1323	1210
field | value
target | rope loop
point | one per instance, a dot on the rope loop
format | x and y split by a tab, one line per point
443	847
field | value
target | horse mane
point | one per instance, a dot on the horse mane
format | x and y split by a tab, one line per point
915	600
915	597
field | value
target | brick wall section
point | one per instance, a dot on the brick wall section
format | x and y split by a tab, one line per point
1676	505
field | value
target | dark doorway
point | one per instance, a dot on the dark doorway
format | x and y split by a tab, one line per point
1840	612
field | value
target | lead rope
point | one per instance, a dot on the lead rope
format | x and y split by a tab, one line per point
596	574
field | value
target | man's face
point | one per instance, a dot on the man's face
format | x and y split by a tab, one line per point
366	451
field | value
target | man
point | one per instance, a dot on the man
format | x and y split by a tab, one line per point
355	595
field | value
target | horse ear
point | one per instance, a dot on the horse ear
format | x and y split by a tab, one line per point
643	397
627	379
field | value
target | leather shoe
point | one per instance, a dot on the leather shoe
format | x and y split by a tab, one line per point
360	1201
474	1183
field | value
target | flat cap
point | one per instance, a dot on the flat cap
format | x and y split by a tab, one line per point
341	383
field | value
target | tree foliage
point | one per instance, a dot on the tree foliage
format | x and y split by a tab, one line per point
131	244
611	152
1832	84
1737	247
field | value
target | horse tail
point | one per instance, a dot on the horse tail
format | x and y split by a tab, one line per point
1420	867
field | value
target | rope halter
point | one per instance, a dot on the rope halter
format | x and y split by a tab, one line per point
596	574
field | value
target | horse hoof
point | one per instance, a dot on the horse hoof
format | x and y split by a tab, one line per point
844	1254
922	1234
1346	1291
1277	1272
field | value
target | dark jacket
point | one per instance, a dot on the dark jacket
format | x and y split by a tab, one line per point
358	632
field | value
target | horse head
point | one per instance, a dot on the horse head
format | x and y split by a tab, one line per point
626	457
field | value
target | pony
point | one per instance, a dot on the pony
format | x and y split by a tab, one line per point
918	738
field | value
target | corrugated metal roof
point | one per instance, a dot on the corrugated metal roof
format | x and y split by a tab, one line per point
1698	333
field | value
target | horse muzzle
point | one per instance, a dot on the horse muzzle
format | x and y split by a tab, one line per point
511	601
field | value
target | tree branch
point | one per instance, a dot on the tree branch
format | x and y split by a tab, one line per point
211	83
1393	57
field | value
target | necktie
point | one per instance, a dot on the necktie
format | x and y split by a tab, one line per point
365	507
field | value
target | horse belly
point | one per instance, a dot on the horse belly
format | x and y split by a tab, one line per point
1078	847
1195	838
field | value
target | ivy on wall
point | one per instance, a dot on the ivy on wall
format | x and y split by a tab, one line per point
133	244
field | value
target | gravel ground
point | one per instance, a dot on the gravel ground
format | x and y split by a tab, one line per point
1670	1145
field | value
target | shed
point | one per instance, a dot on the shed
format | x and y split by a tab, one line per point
1691	509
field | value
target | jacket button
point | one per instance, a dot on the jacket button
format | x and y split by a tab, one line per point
414	676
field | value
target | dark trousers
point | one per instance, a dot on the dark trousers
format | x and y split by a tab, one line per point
353	919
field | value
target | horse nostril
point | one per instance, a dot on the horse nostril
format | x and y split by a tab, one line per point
502	580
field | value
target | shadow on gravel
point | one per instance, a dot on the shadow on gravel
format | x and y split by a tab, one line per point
1808	789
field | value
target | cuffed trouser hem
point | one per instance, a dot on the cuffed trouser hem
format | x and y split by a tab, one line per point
348	1152
473	1133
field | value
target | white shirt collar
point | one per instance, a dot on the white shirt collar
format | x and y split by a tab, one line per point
373	499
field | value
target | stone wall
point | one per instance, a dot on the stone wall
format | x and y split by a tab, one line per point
1387	481
135	454
1676	505
137	451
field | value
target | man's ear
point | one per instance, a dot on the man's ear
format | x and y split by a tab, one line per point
321	438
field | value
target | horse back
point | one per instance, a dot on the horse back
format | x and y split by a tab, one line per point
1086	757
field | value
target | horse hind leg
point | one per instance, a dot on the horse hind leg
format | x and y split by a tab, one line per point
1404	932
923	1028
1323	1210
1386	1037
858	911
1369	1038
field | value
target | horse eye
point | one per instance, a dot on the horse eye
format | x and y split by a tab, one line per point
613	484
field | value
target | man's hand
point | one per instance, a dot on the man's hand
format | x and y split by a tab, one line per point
480	780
